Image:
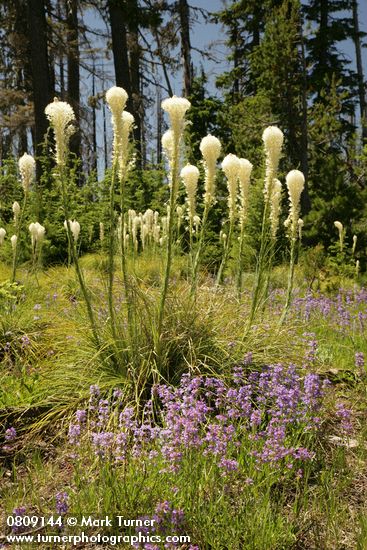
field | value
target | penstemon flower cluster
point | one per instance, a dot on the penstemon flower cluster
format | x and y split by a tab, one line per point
256	411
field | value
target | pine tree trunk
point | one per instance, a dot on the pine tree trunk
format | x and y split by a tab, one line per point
42	92
94	122
137	104
323	34
184	13
61	56
159	127
361	86
73	87
305	197
119	47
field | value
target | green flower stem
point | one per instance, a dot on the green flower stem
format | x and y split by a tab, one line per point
199	249
129	304
225	254
174	185
18	229
260	284
111	252
76	261
191	244
288	299
240	262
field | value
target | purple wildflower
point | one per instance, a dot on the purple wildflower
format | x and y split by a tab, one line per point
62	503
344	414
25	341
19	512
10	434
359	359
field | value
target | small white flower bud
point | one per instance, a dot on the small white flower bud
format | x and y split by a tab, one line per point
196	220
273	140
13	240
74	228
190	176
295	181
37	232
231	166
338	225
210	148
354	244
340	229
27	168
16	209
148	218
40	231
2	235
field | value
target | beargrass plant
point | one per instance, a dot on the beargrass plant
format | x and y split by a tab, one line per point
231	167
273	142
244	175
341	233
116	98
27	168
37	232
190	177
176	108
61	116
210	148
295	181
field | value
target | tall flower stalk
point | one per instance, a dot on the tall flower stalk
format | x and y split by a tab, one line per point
123	168
354	244
244	175
340	229
231	167
295	182
37	232
210	148
27	169
116	98
190	177
176	108
61	116
273	142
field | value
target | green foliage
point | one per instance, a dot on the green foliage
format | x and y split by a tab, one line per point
334	190
147	189
202	117
9	294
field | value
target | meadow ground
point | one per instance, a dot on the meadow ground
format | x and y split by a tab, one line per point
236	438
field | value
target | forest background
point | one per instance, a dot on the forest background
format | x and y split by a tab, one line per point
243	65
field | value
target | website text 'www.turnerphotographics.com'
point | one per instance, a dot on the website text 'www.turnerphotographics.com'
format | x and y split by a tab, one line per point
35	530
